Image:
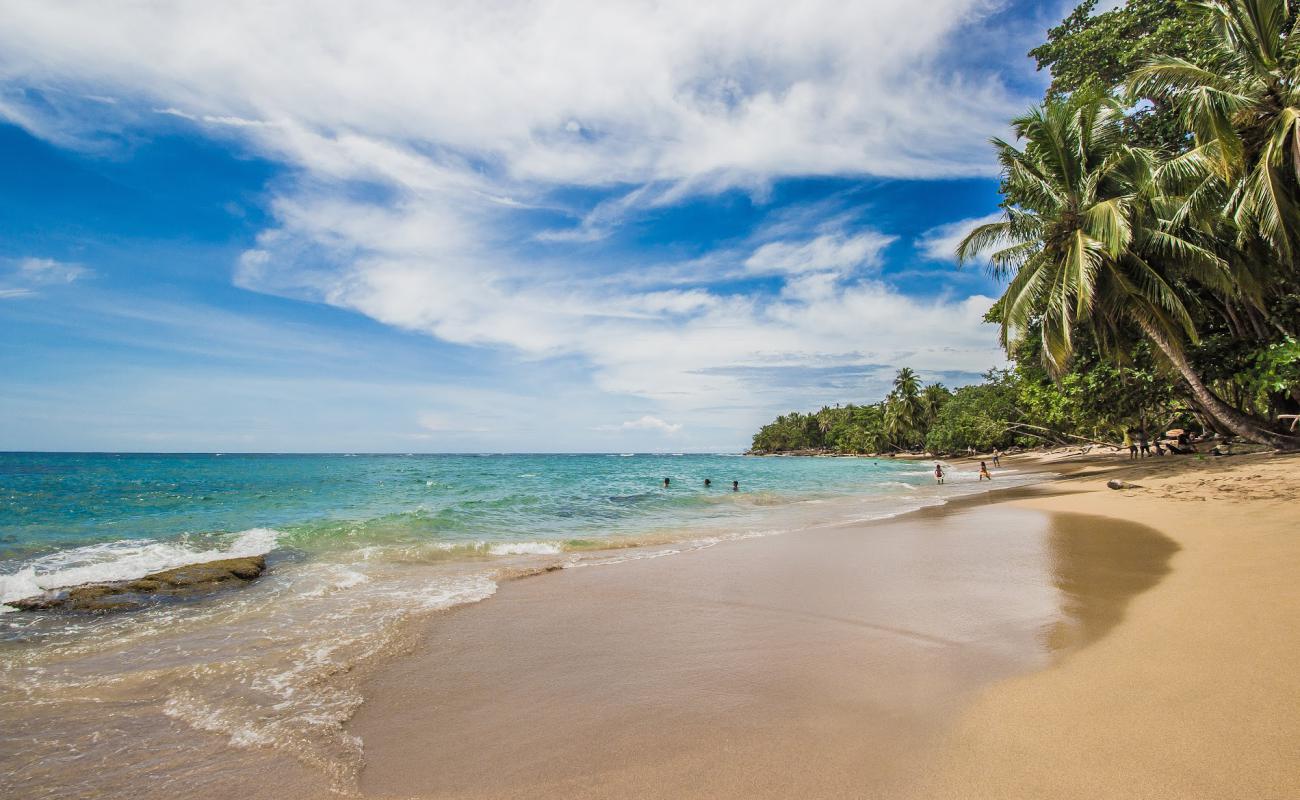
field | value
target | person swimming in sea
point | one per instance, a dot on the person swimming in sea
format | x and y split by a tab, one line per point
984	472
707	483
938	473
665	483
735	486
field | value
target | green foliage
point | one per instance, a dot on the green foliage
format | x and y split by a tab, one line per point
1080	241
1150	241
977	416
1274	367
1097	52
1015	406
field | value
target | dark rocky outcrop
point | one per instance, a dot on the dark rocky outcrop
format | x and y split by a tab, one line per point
181	582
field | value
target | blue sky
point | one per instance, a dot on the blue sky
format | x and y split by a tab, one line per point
400	226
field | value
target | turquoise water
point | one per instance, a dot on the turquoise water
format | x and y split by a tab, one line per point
357	548
110	516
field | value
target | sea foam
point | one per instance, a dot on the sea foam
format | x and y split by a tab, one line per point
123	560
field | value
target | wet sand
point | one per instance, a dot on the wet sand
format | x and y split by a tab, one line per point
827	663
1196	693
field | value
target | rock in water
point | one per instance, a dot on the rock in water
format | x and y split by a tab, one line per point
191	579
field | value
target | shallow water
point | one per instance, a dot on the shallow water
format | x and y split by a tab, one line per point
357	546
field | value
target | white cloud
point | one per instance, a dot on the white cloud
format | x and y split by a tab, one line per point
940	242
463	113
27	276
557	92
45	271
829	252
440	423
646	423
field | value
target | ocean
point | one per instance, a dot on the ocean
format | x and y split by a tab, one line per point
357	545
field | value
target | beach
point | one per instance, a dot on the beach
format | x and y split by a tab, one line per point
1052	639
1196	693
1153	662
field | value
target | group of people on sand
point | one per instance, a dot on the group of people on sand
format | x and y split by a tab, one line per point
940	475
735	485
1139	446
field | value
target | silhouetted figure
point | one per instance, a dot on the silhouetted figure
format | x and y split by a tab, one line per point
707	483
735	486
665	483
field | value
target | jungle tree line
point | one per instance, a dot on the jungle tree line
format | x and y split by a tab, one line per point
1150	244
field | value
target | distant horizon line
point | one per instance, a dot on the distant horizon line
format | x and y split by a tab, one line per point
369	453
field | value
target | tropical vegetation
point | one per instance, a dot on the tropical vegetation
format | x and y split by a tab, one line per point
1149	243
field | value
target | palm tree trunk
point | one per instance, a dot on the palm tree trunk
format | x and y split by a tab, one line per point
1222	413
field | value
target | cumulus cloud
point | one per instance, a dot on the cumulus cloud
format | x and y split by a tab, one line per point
940	242
466	115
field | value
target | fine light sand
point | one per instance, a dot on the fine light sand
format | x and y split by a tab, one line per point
1067	641
1196	694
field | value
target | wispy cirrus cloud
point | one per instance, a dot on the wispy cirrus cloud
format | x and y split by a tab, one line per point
25	277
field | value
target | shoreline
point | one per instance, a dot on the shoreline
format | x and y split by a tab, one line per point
927	654
395	726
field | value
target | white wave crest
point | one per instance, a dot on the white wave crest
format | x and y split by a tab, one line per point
122	561
524	549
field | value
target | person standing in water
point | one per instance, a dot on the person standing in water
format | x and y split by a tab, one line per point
735	486
707	483
665	483
984	472
938	473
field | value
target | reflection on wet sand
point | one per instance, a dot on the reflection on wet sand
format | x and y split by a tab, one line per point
1099	565
822	664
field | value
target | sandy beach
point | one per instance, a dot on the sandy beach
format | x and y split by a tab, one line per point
1062	641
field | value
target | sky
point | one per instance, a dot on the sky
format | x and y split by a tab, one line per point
490	226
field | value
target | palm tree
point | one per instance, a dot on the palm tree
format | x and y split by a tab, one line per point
932	399
903	410
1242	106
1083	248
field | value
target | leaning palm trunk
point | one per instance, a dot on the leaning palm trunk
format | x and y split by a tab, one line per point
1222	413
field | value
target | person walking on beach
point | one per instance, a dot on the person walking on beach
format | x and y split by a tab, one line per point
997	457
938	473
1143	444
1130	444
984	472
